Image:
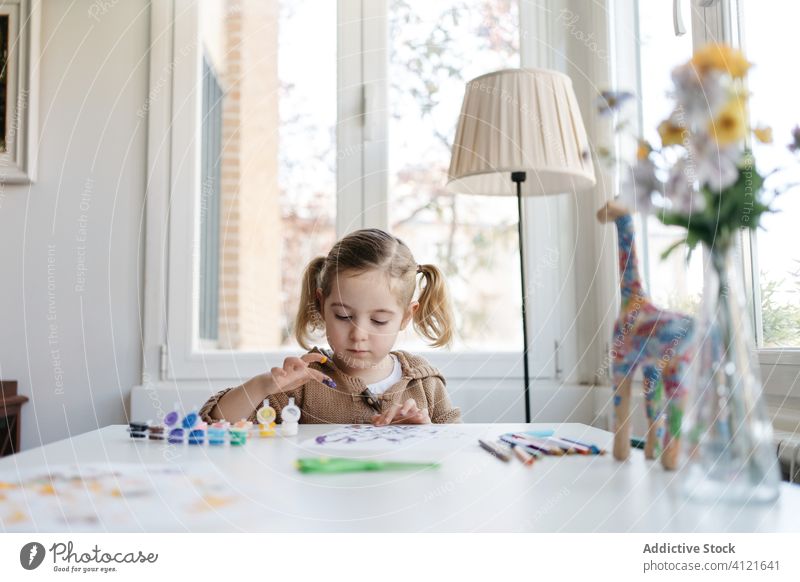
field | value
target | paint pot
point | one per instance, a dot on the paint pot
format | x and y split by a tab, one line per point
138	430
266	417
171	419
176	435
197	436
190	420
289	429
266	414
157	432
217	434
266	430
290	417
238	436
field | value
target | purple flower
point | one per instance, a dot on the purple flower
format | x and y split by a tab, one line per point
609	102
795	145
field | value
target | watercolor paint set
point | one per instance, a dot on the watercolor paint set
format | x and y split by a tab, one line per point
193	431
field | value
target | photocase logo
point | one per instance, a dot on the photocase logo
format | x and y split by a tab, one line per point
31	555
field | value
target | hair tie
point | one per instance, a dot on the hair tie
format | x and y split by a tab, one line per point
419	268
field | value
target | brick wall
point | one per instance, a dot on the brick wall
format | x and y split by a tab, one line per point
250	222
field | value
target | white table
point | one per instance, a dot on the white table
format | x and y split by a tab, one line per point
471	491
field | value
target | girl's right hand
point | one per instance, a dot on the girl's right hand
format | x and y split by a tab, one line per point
295	372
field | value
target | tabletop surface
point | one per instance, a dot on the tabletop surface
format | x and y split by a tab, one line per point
470	490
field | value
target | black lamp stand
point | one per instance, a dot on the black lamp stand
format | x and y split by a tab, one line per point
518	178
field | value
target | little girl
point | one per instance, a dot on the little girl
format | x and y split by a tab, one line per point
361	294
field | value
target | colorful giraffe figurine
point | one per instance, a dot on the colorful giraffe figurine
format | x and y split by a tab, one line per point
658	341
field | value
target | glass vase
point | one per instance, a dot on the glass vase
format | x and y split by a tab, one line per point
729	452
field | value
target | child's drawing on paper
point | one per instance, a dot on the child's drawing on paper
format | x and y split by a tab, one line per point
366	436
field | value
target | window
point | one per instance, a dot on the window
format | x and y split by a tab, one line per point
280	145
435	48
211	156
669	282
273	209
254	155
776	258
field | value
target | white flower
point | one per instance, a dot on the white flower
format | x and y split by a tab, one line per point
699	98
681	188
639	184
714	167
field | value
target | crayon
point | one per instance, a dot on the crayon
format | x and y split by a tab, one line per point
594	448
525	444
495	450
570	446
526	458
542	445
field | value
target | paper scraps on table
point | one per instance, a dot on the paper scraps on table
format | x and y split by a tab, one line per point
115	497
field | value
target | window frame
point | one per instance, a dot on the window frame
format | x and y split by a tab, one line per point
171	350
780	367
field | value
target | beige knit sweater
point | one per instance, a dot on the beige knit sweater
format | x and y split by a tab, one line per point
344	404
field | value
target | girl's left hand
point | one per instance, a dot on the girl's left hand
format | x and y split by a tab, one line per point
407	413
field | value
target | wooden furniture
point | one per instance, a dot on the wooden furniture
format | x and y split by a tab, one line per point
10	409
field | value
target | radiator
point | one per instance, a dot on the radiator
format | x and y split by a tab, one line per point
789	456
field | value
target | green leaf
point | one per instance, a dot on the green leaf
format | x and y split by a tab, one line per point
671	248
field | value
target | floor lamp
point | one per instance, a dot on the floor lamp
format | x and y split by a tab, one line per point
520	127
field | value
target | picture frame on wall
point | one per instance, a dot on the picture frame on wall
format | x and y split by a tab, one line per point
20	22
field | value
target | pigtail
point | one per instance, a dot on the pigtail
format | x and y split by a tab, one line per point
309	316
434	319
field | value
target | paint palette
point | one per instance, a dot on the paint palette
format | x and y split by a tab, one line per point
194	432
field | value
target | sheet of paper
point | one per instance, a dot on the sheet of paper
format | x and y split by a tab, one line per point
366	437
116	497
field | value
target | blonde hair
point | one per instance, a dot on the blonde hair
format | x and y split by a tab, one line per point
373	249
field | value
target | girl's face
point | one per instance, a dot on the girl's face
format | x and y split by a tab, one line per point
362	319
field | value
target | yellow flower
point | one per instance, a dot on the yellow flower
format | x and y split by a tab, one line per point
670	133
720	57
643	150
763	134
729	125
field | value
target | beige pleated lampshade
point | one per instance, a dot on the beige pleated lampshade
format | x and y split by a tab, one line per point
519	120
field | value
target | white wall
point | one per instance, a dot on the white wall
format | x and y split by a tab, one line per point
76	351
